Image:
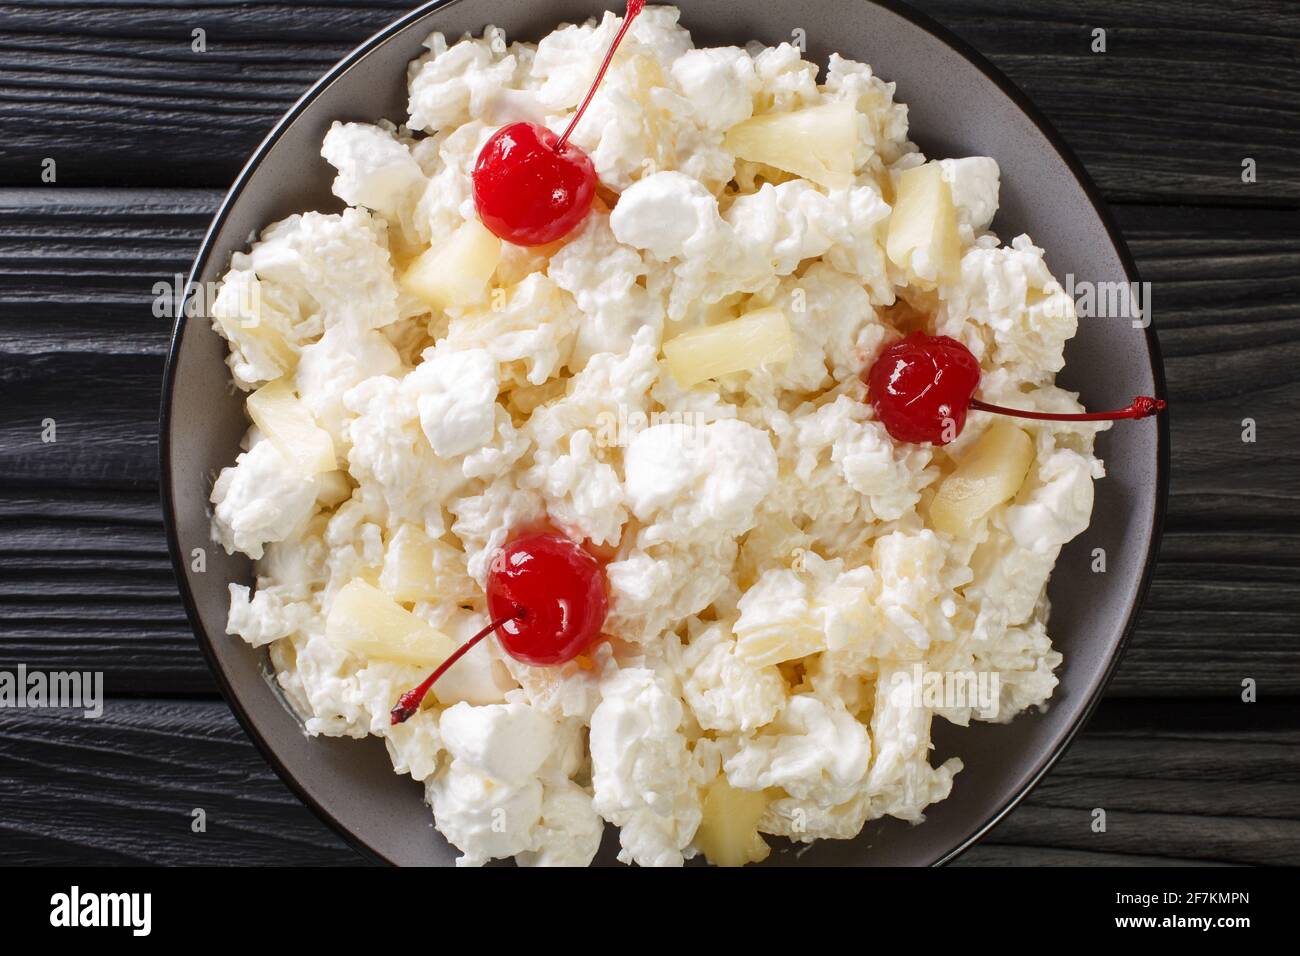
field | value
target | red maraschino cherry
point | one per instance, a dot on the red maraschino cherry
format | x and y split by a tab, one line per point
922	386
547	598
532	187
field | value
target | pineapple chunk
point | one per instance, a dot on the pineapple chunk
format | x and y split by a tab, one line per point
407	574
816	143
247	317
647	77
784	641
457	273
418	568
923	240
771	542
747	342
728	833
255	335
990	474
334	488
371	624
287	422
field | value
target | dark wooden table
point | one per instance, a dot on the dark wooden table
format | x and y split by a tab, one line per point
146	134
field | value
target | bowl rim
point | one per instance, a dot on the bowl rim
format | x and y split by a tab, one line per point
1045	761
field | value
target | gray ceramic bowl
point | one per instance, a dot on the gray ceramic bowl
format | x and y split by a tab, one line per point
959	106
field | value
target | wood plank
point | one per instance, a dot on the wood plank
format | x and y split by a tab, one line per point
1170	110
1192	781
1211	838
104	413
1172	107
86	584
78	270
126	786
86	576
78	267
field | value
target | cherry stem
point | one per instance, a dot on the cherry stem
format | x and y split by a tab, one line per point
409	703
633	8
1142	407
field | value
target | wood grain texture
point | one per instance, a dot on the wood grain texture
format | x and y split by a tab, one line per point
1179	784
1209	782
86	584
1183	93
125	788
